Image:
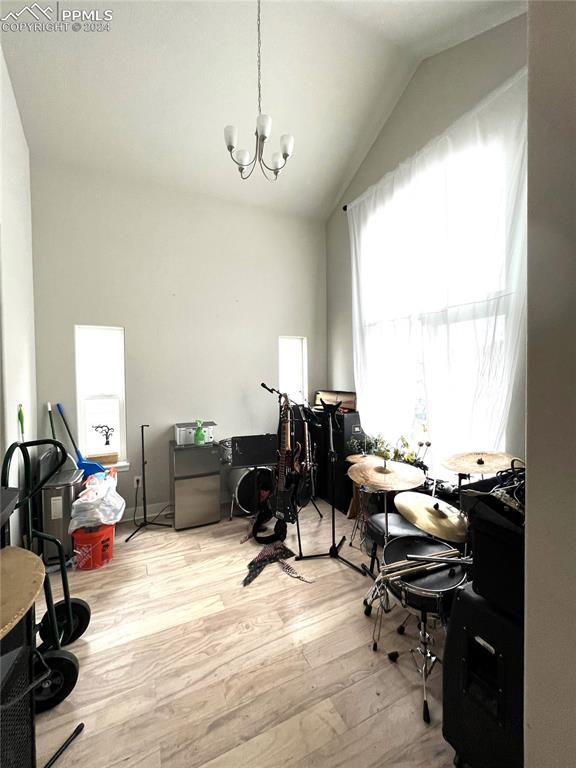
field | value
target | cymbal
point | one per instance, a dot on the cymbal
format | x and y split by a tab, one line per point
478	462
432	516
395	476
369	458
22	577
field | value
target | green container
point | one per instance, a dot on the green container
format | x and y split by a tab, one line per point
199	434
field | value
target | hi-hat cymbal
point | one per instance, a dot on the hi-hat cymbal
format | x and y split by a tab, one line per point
22	577
432	515
395	476
370	458
478	462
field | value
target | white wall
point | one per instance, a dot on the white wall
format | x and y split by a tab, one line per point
443	88
550	706
203	290
17	353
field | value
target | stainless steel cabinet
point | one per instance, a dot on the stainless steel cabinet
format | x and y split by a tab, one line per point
195	484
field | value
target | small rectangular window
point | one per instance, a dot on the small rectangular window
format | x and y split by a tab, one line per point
100	390
293	367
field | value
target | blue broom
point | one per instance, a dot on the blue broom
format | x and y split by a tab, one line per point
89	467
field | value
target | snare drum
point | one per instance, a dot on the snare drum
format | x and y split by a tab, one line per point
430	592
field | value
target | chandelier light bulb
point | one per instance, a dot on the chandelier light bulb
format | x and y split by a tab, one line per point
230	137
264	126
286	145
242	156
277	161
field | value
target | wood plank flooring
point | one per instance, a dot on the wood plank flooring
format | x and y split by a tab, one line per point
183	667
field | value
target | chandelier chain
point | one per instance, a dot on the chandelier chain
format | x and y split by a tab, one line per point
259	62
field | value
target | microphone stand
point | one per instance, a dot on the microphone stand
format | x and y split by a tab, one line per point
334	551
144	523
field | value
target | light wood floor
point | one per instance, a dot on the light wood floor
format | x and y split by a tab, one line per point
183	667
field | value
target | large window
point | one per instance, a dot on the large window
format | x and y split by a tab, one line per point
100	390
293	367
439	284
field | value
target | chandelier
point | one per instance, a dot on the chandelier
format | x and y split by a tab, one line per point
241	157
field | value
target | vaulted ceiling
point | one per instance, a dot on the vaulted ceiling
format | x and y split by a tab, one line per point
150	97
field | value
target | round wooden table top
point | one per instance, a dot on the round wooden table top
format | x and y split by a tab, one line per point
395	476
369	458
21	576
432	516
478	462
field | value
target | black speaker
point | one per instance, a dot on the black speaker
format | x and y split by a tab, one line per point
347	427
483	684
497	536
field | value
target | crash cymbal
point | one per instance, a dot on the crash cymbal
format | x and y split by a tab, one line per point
369	458
395	476
22	577
432	516
478	462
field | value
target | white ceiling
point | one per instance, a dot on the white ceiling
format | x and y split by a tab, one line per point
149	98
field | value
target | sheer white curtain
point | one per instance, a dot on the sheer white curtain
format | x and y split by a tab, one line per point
439	286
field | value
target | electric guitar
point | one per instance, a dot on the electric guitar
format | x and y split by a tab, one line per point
307	467
284	502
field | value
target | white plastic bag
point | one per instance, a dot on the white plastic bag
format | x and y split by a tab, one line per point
99	503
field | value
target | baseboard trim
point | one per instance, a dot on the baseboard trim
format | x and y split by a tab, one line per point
153	510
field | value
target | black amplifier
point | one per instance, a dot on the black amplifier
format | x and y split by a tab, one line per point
249	451
347	428
497	536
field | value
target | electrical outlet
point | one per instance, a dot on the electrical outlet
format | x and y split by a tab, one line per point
137	481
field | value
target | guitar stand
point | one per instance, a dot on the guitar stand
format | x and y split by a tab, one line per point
334	551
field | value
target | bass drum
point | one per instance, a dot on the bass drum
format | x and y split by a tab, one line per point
250	487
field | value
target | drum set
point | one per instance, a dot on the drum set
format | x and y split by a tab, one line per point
420	570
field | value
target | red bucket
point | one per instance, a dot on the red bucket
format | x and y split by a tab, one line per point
93	547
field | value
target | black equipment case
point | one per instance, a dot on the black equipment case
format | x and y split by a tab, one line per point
483	684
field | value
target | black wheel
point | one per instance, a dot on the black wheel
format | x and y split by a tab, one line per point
401	629
60	683
81	614
425	712
374	646
393	656
368	610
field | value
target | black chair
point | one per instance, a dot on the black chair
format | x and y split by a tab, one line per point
375	529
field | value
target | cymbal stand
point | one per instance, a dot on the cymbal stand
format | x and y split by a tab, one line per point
369	570
334	551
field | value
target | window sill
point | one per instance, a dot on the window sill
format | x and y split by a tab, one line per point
121	466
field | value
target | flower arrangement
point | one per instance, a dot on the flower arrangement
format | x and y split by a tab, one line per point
378	446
